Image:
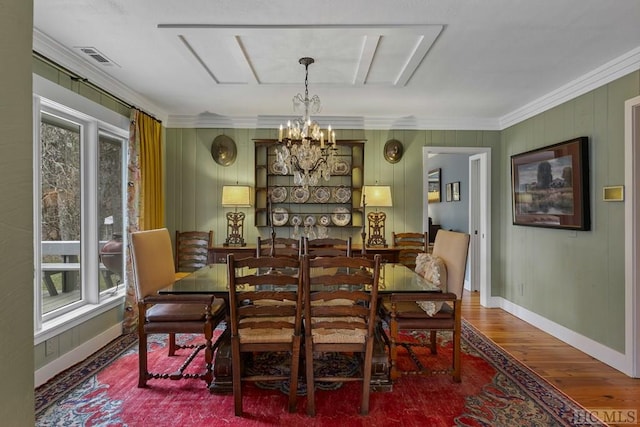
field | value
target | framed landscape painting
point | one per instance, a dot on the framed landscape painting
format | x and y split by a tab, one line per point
550	186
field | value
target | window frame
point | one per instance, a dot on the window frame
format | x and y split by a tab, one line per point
95	121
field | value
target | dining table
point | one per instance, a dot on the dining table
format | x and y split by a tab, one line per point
212	279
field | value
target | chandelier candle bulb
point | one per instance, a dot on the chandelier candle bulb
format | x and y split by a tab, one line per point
303	153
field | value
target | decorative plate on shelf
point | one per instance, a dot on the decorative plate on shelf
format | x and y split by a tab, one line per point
280	216
299	195
321	195
341	167
341	194
325	220
295	220
278	194
278	169
341	216
309	221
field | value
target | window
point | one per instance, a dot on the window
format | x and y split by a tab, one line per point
79	211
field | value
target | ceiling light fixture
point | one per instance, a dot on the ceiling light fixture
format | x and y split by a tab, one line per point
303	150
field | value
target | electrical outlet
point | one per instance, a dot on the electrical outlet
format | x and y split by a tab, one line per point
521	289
50	347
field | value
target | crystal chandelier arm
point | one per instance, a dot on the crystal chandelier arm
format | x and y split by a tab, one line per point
302	150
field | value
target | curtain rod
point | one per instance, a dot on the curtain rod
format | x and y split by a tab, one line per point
76	77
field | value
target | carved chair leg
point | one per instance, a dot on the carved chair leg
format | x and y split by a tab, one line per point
236	375
434	342
393	349
293	382
208	353
172	344
456	356
142	359
311	400
366	380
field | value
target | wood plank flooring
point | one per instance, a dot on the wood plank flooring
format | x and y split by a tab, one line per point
588	381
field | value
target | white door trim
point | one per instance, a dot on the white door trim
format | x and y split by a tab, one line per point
632	234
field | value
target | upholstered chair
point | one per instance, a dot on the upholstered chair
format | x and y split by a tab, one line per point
431	312
169	314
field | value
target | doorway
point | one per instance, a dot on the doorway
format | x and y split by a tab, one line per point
479	214
632	236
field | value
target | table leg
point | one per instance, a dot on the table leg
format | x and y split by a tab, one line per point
222	379
380	379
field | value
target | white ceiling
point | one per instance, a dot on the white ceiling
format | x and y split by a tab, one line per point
403	64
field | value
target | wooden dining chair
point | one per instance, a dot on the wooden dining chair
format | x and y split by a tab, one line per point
430	312
283	246
340	300
265	302
192	249
153	269
410	244
327	247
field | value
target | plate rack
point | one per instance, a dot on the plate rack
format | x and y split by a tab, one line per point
332	203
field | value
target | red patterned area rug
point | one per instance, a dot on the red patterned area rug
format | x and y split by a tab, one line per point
496	390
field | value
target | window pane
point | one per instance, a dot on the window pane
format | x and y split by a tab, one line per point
110	176
60	214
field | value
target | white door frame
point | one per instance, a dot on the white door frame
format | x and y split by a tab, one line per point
475	229
484	158
632	234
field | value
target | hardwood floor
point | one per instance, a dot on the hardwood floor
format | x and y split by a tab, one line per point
589	382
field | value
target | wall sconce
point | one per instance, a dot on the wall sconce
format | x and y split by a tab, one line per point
236	196
375	196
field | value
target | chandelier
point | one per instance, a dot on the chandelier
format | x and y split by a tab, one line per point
302	149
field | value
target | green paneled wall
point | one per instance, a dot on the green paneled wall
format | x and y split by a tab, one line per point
194	181
573	278
16	229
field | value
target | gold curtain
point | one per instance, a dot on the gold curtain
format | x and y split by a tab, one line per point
149	131
145	195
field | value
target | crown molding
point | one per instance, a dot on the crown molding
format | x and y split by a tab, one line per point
602	75
336	122
53	50
612	70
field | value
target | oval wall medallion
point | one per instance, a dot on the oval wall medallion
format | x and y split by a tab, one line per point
223	150
393	151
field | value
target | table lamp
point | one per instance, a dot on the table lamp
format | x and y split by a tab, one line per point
236	196
375	196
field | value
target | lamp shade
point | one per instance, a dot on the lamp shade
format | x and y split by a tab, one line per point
236	196
376	196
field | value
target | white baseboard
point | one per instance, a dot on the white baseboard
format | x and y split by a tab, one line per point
611	357
76	355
